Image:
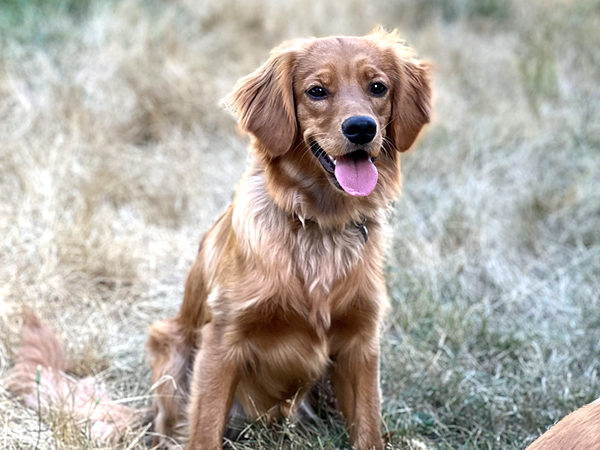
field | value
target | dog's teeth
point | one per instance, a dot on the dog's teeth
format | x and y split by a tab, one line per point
334	161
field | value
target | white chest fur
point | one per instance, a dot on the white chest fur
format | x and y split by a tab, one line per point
324	257
285	247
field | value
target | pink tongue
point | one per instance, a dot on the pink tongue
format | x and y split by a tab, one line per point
357	177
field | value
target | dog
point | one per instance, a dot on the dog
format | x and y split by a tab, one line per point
580	430
288	284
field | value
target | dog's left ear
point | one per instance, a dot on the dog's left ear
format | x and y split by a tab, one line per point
411	101
264	101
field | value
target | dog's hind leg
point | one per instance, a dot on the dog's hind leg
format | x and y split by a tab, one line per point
170	356
173	343
171	347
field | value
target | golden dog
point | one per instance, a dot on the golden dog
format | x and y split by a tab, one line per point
288	284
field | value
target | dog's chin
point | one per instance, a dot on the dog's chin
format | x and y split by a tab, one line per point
354	173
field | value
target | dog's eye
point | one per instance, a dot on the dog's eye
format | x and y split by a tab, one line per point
317	93
378	89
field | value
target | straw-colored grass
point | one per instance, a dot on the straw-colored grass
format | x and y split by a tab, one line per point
115	157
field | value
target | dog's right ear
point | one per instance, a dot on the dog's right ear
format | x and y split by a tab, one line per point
411	90
411	102
264	101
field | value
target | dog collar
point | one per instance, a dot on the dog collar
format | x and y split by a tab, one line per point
362	227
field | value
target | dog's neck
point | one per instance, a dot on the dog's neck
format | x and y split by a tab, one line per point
312	198
360	226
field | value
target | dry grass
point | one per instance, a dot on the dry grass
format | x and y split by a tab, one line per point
114	157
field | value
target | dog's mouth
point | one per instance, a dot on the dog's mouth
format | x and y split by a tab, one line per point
353	173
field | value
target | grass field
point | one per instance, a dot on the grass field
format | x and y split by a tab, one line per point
115	157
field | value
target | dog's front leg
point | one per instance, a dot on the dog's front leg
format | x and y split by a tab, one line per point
355	379
214	382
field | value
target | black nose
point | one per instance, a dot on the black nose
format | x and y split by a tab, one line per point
359	129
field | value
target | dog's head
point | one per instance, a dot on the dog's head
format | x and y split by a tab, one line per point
350	102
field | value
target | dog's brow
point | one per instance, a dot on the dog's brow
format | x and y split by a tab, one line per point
324	76
364	67
370	71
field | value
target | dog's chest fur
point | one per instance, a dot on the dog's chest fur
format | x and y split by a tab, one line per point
323	258
287	247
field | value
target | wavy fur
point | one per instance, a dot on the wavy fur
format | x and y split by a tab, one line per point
285	290
38	378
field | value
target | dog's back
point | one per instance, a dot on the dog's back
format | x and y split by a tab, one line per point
580	430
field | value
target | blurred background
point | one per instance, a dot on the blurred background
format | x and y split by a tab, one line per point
115	157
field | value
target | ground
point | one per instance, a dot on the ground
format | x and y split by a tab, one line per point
115	156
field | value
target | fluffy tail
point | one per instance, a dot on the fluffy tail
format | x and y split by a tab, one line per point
38	379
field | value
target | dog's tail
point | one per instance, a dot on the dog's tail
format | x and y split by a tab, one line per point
39	380
39	346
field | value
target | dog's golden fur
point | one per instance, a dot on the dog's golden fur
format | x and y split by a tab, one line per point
39	379
580	430
285	288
